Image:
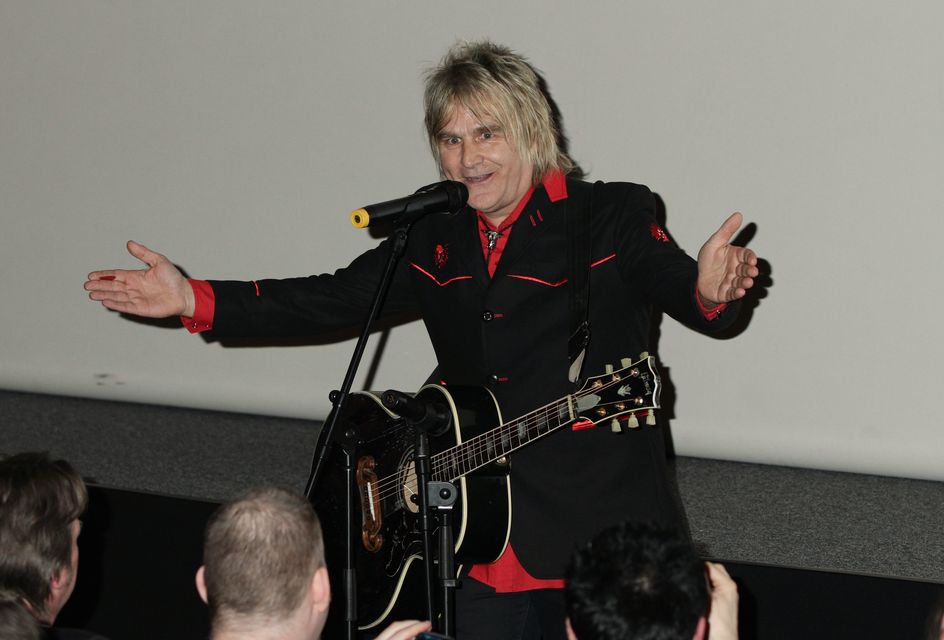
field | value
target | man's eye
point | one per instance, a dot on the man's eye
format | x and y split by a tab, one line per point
487	135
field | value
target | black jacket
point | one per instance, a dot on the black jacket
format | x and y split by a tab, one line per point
510	333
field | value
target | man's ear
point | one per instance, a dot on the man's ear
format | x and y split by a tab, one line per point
701	629
61	584
570	630
60	577
201	584
57	584
320	589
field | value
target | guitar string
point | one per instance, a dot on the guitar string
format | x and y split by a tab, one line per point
439	464
537	418
391	485
488	445
476	445
530	425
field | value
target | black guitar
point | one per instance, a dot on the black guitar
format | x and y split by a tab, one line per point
473	455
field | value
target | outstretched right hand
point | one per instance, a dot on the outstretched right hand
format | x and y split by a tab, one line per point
159	291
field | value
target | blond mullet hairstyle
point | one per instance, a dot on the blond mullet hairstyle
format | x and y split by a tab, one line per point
493	82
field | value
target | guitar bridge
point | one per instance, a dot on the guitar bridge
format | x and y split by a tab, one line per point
371	518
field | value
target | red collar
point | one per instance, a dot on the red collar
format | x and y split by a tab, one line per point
555	183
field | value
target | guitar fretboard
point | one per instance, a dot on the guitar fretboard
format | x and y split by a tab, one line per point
488	447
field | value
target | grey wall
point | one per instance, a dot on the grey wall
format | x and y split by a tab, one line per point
237	136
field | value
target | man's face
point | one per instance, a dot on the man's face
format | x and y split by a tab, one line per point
478	153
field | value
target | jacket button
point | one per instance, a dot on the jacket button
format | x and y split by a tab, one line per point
493	379
488	316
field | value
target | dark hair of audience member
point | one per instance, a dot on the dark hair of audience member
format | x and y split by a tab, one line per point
39	499
16	623
239	579
636	581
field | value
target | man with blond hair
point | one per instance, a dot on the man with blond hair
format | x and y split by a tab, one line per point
489	284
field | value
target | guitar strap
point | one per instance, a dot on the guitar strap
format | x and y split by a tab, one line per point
579	211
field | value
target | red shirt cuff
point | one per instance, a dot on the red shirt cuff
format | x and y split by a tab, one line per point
709	313
204	307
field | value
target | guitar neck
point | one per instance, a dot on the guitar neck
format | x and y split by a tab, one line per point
492	445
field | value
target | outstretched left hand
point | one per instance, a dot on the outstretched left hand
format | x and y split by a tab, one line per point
725	272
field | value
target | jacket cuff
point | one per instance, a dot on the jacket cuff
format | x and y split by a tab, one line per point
204	307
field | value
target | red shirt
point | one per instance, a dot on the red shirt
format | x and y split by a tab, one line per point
506	574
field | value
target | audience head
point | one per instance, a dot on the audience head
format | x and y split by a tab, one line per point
41	501
494	83
16	623
264	566
935	623
636	581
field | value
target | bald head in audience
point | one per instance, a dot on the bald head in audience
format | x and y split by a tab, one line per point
264	573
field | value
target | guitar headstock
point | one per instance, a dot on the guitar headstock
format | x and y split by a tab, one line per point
632	390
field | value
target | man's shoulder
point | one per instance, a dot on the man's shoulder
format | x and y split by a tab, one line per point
608	190
614	201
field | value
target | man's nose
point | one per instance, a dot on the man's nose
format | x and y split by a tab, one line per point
470	154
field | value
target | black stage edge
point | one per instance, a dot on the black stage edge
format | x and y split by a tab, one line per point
139	553
778	603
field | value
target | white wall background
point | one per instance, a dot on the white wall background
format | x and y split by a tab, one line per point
237	136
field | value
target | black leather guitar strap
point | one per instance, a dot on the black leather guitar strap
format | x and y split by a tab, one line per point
579	212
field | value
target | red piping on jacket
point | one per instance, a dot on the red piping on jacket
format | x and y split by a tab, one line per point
434	278
538	280
564	281
602	260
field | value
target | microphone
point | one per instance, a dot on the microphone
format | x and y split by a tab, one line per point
447	196
432	417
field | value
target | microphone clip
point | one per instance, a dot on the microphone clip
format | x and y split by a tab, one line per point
432	417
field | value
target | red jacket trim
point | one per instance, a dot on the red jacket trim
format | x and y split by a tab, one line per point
435	279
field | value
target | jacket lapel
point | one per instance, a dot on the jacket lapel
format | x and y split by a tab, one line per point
538	217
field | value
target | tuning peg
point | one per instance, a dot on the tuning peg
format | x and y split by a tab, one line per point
615	426
632	423
609	368
626	362
643	355
651	418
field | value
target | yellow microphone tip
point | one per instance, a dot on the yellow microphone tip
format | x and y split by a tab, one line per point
360	218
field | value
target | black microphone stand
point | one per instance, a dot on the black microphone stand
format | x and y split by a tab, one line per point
431	418
442	497
423	473
349	439
439	497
